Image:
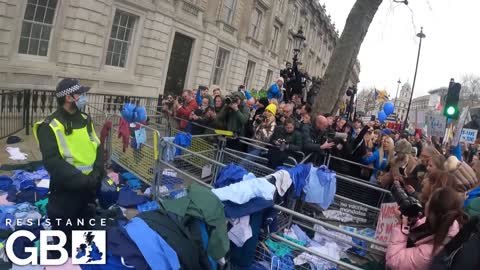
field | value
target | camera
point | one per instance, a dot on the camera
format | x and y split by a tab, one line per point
337	137
230	99
409	205
180	99
260	119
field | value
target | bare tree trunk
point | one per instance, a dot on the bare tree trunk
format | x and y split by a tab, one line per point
344	56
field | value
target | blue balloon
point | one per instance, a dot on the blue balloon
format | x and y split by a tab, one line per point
382	116
140	114
128	112
388	108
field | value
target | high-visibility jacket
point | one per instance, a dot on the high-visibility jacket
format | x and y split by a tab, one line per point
79	148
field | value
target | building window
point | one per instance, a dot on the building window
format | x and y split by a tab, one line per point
220	63
120	39
256	21
37	27
228	10
294	17
249	74
268	79
289	48
273	44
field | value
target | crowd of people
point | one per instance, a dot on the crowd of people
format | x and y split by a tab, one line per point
438	179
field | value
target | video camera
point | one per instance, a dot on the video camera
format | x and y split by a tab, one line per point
336	137
260	119
409	205
230	99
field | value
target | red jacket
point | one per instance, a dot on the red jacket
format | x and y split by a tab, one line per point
185	111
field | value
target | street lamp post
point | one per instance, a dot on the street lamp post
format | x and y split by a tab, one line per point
298	44
420	35
396	95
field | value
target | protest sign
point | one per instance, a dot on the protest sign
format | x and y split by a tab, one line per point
387	220
468	135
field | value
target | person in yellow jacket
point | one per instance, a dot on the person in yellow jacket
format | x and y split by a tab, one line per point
72	156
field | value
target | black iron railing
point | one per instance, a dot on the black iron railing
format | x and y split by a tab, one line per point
20	109
12	113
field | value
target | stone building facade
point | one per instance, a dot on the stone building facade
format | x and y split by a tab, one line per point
419	109
401	103
146	47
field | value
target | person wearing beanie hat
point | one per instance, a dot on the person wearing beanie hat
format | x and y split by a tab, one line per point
275	90
234	117
72	156
271	108
403	147
259	109
402	167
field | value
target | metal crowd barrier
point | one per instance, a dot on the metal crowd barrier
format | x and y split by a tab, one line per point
264	148
286	217
352	187
207	155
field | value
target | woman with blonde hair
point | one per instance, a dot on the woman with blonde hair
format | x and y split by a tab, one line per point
264	129
381	157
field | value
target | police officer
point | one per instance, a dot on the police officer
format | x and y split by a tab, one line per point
72	156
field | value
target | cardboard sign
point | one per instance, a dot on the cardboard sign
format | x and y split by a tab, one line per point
387	220
435	123
359	213
468	135
458	129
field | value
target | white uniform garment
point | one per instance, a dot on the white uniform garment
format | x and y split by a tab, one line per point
244	191
44	183
283	181
323	235
248	176
147	192
15	153
241	230
330	249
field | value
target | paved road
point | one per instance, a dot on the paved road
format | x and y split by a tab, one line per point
28	146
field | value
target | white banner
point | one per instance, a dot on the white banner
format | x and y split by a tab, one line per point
468	135
435	123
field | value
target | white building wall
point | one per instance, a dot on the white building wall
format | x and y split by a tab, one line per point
81	31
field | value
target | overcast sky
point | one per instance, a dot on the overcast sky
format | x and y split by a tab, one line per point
451	47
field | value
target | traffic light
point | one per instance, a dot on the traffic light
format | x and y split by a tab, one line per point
451	109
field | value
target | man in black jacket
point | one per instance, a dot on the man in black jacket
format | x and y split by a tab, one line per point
316	142
71	155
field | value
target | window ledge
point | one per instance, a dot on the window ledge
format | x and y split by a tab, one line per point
115	68
254	42
190	8
228	28
30	57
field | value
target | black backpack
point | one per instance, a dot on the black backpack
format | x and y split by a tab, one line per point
463	251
